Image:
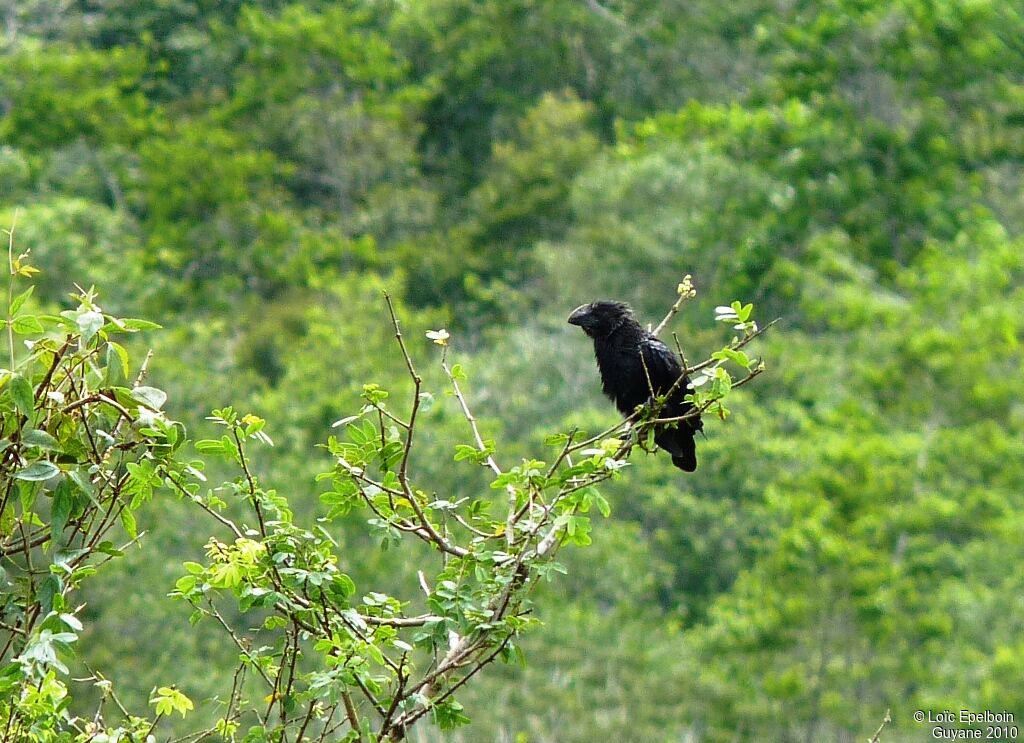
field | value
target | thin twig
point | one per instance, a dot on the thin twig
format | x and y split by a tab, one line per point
473	529
877	736
647	374
350	712
253	660
413	715
199	502
403	678
732	347
623	423
417	621
468	415
489	461
144	369
403	478
703	408
686	292
10	284
98	397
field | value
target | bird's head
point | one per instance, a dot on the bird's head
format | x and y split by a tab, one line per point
600	318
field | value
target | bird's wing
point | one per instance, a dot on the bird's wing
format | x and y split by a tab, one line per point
662	365
664	369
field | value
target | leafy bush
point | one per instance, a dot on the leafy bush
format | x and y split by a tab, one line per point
84	448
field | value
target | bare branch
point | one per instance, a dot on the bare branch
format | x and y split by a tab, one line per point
878	733
199	502
417	714
470	418
403	477
489	461
685	291
97	398
418	621
401	341
350	712
253	661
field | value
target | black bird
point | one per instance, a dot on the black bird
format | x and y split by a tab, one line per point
619	344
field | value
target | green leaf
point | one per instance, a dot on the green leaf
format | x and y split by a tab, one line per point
373	394
107	547
363	432
27	495
134	324
129	524
89	324
226	575
27	325
37	472
210	446
117	364
729	354
344	584
168	700
63	502
81	479
22	394
151	397
556	439
20	300
392	453
11	676
41	439
448	714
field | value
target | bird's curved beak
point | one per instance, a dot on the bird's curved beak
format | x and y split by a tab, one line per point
579	315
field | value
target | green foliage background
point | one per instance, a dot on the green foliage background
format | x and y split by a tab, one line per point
252	175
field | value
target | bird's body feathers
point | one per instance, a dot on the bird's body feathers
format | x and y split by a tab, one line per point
633	363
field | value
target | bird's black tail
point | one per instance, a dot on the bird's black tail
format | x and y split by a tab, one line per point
680	444
687	462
